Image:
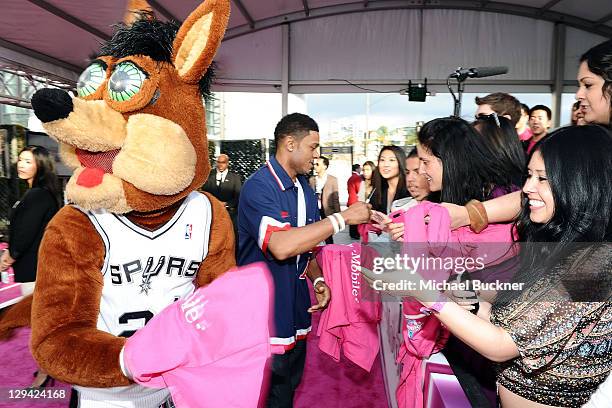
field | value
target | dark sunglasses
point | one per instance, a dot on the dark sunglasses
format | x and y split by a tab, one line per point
489	116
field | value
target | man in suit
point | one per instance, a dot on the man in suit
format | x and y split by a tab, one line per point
326	188
352	185
225	186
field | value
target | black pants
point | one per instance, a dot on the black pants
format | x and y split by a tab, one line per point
287	370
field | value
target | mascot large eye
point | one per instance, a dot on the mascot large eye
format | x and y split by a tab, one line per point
125	82
91	79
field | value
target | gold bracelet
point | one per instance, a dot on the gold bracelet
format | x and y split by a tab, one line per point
478	216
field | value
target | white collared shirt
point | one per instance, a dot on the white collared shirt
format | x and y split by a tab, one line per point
319	184
221	175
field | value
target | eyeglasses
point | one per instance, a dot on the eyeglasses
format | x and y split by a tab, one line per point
489	116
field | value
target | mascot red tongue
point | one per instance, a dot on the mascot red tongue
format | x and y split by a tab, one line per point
96	164
136	137
90	177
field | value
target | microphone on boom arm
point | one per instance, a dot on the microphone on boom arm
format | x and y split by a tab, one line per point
478	72
461	74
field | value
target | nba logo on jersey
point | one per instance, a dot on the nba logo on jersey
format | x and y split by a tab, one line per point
188	228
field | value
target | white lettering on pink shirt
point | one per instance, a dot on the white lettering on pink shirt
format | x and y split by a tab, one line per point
193	309
355	274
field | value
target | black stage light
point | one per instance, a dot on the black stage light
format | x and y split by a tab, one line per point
417	92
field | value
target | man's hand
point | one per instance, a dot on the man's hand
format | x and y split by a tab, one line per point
378	218
323	295
358	213
6	260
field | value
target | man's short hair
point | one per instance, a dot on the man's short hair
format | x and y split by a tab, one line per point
541	107
525	108
412	153
356	166
297	125
502	104
325	161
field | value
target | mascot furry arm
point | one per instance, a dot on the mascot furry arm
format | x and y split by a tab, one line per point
136	136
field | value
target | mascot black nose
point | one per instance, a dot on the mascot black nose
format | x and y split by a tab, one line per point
51	104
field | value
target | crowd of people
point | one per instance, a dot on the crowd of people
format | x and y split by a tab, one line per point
505	174
505	171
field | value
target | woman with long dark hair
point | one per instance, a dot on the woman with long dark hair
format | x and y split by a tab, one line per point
551	338
595	97
460	163
566	224
388	186
595	84
28	220
365	188
389	178
506	147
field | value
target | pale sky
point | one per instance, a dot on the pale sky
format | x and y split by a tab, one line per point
254	116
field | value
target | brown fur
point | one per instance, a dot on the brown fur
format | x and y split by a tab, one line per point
68	156
15	316
171	105
64	340
141	164
90	126
195	69
74	253
64	312
221	249
109	194
134	10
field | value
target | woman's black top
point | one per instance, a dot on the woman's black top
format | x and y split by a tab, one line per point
384	206
28	220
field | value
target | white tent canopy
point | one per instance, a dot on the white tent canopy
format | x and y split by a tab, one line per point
388	48
305	46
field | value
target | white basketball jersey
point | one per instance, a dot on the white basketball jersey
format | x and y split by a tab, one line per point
145	271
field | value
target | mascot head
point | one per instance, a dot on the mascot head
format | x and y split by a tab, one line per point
136	133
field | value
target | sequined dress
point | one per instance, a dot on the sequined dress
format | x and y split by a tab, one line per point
565	346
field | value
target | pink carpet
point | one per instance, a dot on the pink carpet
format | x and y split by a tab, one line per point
16	368
325	382
338	385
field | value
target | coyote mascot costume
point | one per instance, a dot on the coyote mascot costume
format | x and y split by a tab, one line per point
136	137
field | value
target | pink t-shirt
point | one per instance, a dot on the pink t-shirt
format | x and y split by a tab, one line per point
210	348
350	321
426	336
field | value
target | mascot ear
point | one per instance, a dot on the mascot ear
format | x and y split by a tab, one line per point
135	10
198	38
